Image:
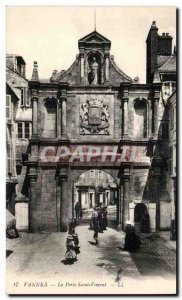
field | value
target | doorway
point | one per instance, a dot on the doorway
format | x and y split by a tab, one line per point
141	218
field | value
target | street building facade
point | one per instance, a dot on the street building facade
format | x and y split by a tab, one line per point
19	124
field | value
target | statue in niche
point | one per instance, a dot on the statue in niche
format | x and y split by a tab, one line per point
93	74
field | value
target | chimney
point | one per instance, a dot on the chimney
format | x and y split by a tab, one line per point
164	44
35	75
151	51
156	45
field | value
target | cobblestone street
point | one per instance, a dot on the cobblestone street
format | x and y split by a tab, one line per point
36	259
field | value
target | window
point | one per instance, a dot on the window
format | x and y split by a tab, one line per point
20	130
24	130
25	100
168	88
27	130
8	107
164	130
22	97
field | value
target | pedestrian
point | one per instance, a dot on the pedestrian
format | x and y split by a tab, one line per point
105	223
93	216
100	219
132	240
96	231
96	226
72	226
70	254
77	210
76	242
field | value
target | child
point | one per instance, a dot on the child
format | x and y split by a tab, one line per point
76	242
70	254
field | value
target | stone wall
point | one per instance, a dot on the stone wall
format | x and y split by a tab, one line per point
44	214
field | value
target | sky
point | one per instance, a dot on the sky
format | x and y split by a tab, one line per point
50	34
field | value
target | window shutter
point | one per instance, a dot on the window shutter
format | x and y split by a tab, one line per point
8	107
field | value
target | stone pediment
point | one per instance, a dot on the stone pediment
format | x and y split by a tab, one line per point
95	38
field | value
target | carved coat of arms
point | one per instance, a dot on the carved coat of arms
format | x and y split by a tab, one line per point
94	116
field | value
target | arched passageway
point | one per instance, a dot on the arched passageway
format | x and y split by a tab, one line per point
95	188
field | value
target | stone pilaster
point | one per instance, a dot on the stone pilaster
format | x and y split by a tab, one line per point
125	117
125	99
157	173
59	118
64	201
34	87
34	115
107	67
156	99
32	176
62	119
82	68
125	180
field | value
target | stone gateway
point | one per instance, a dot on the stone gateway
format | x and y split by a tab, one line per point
94	104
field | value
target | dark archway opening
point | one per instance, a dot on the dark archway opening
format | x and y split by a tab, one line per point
141	218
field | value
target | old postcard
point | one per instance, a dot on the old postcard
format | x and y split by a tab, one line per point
91	150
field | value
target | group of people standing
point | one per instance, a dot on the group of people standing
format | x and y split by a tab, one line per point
98	221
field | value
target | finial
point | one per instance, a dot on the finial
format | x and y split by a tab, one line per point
35	75
154	25
94	19
54	75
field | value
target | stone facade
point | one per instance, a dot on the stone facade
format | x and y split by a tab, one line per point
172	162
20	127
88	111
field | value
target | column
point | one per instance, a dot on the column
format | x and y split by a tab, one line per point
156	166
58	203
106	67
82	67
62	109
59	117
156	87
125	117
63	175
34	116
126	195
155	117
33	222
119	208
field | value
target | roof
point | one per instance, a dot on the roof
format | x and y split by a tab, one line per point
161	59
94	36
13	89
169	65
19	57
